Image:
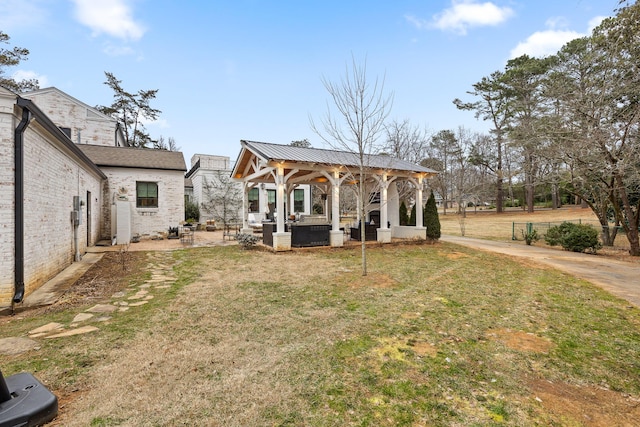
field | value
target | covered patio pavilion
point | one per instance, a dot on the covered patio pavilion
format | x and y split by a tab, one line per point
288	167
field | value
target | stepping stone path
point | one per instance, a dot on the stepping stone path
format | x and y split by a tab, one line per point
162	277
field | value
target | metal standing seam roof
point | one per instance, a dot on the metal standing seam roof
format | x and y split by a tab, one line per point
126	157
288	153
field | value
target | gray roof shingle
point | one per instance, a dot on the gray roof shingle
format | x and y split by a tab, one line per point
125	157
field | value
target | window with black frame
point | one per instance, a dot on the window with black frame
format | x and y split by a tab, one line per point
146	194
298	200
252	198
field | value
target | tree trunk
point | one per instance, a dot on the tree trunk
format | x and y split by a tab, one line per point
529	191
631	223
606	233
556	201
499	192
361	208
500	176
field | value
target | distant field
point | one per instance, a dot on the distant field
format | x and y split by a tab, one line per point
490	225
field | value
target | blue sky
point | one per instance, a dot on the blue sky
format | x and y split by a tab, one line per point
251	69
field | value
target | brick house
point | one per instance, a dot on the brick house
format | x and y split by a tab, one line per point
67	181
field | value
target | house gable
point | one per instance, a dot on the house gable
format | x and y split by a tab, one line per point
86	125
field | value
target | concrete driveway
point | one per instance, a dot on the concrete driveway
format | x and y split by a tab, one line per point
619	278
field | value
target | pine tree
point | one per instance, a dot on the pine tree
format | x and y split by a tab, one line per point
11	58
431	220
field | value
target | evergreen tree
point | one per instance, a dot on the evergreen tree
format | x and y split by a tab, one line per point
430	218
412	217
10	58
404	219
131	110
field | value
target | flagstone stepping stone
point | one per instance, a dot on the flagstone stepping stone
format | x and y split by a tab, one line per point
12	346
38	335
163	286
118	295
138	304
46	328
138	295
102	308
123	309
81	317
148	297
161	279
77	331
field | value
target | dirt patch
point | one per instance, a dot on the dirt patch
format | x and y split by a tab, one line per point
423	348
373	280
587	405
106	277
520	340
456	255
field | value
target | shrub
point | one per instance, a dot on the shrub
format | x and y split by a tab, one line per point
247	241
191	211
530	236
554	234
581	238
574	237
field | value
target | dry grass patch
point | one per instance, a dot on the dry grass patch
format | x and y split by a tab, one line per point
490	225
302	339
586	405
520	340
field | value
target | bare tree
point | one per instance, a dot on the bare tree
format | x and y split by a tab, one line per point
407	142
222	198
355	125
169	145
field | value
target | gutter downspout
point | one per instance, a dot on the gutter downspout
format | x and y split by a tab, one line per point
19	205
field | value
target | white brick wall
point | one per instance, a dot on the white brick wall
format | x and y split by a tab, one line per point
51	179
6	197
87	125
170	211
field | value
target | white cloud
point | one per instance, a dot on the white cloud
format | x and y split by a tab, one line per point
112	50
544	43
112	17
417	22
19	75
594	22
550	41
159	123
465	14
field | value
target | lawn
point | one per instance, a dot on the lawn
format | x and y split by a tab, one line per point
434	335
486	224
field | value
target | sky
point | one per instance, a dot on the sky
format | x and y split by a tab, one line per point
254	69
